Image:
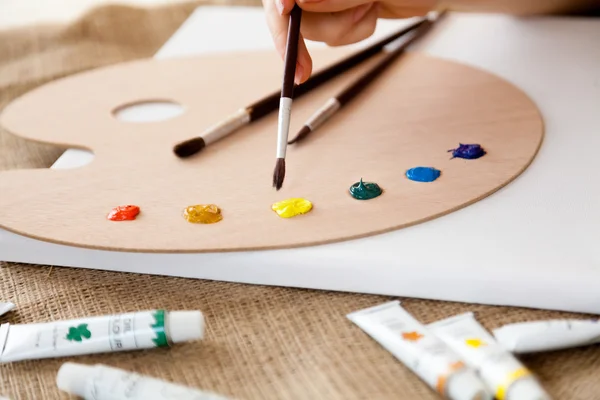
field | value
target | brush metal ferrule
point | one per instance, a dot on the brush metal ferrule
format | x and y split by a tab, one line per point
285	112
232	123
323	113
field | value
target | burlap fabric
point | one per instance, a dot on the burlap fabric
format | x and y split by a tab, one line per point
262	342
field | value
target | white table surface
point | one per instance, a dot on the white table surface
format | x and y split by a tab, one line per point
533	244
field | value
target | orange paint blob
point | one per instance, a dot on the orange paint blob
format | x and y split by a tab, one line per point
411	336
123	213
456	366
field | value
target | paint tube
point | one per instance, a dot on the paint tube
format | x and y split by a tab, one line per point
4	308
503	373
100	382
536	336
111	333
422	352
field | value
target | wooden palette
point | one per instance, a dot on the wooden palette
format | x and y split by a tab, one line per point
416	111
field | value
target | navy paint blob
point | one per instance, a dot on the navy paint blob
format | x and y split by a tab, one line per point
423	174
467	151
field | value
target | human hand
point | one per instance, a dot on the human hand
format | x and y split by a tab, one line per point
334	22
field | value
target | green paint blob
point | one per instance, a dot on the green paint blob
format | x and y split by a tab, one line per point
365	191
160	340
78	333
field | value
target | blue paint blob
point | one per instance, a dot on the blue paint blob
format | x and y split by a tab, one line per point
467	151
423	174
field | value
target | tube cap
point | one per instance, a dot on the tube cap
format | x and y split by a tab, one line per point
72	378
467	385
185	326
527	389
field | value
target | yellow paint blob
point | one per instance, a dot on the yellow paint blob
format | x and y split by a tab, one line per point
203	214
291	207
475	343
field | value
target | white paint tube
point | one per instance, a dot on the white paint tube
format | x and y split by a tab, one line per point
111	333
100	382
4	308
536	336
423	353
506	376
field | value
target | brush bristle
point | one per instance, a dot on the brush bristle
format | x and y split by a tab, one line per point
279	173
301	135
189	147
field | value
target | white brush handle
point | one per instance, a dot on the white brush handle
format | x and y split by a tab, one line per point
285	112
227	126
323	113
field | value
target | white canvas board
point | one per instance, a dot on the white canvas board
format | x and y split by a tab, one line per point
531	244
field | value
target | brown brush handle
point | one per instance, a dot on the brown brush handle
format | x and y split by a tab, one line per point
334	104
270	103
359	85
331	72
291	52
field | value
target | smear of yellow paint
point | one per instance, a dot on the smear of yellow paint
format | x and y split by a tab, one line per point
203	214
291	207
475	343
510	379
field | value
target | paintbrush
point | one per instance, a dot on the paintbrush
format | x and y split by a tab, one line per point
334	104
287	94
270	103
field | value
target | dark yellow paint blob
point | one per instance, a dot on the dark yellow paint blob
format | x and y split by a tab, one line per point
291	207
203	214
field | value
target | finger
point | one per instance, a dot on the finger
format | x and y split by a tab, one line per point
286	6
362	29
407	9
323	6
278	25
337	29
283	7
304	63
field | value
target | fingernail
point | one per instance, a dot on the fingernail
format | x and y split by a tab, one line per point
361	11
279	5
299	73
